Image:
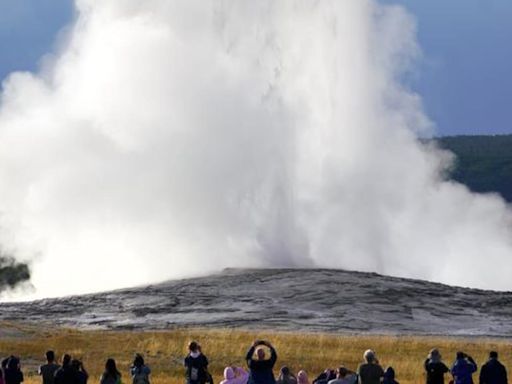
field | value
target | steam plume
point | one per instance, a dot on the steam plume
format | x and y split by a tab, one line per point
172	138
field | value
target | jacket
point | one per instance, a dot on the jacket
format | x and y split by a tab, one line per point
260	371
197	369
236	376
435	371
493	372
463	370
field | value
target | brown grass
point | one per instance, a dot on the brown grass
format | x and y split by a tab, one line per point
164	351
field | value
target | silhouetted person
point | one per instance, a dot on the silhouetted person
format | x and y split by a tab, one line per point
12	372
435	368
80	374
111	375
463	369
5	361
325	376
389	376
370	372
344	376
47	371
286	376
4	367
139	371
196	365
261	369
65	374
493	372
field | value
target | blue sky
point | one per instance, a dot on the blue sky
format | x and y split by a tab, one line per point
464	76
28	29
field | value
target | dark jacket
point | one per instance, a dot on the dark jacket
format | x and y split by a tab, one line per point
260	371
47	371
197	369
389	376
435	371
81	377
140	374
12	373
12	376
370	373
65	375
493	372
325	377
110	379
463	370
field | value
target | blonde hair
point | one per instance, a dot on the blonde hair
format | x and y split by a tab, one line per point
369	356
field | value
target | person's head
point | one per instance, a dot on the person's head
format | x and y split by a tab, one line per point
260	353
229	373
13	363
341	372
434	355
330	374
76	364
460	355
193	347
138	361
389	373
493	355
369	356
111	368
285	371
302	377
66	360
50	356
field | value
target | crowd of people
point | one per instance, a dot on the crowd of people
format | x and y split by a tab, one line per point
260	370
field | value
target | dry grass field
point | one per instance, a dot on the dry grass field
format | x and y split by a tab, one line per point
164	351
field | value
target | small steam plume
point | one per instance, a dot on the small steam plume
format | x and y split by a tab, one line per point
175	138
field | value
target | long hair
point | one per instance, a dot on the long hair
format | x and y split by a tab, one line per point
66	360
111	369
138	361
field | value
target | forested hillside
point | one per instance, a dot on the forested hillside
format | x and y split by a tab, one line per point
484	163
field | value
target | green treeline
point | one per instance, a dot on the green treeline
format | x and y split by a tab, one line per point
483	163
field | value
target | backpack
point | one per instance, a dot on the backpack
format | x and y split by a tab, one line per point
140	377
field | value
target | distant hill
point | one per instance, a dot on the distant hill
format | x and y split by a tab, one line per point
484	163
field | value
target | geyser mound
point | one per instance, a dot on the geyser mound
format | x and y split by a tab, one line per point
283	299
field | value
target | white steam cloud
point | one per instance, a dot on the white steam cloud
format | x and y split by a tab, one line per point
174	138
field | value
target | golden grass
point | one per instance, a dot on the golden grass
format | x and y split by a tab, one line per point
164	351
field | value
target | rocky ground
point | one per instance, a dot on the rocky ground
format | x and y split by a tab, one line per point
283	299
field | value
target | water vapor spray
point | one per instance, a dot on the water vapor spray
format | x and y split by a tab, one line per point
176	138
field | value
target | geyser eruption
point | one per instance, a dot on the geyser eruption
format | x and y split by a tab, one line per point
172	138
